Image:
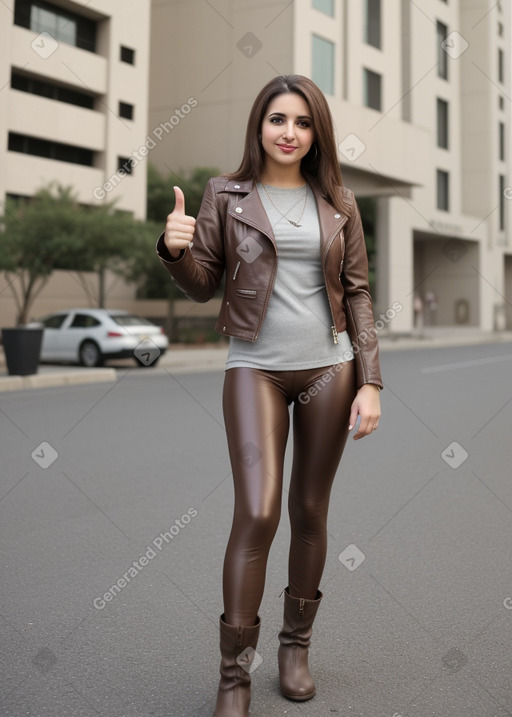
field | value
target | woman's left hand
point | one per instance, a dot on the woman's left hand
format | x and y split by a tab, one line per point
366	404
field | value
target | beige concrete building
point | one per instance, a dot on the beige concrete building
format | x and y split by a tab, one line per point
420	95
74	110
74	98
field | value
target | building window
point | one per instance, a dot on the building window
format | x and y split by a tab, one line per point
51	150
126	110
62	25
442	56
372	25
323	64
501	102
34	86
443	190
125	165
326	6
500	29
25	198
501	66
502	202
442	123
126	54
372	87
502	142
406	52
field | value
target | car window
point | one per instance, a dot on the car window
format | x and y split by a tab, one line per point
129	320
54	322
84	321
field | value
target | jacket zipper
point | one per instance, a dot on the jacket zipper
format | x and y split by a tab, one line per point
333	327
267	298
272	278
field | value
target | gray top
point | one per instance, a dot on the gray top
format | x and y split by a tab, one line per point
296	333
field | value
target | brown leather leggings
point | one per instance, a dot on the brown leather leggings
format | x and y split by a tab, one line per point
256	416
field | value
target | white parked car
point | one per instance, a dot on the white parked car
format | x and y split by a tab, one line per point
91	336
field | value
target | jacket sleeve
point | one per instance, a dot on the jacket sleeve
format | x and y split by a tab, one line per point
198	271
358	303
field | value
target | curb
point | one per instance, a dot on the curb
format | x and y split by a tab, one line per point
200	360
50	380
435	342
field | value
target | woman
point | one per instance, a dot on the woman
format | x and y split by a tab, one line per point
288	237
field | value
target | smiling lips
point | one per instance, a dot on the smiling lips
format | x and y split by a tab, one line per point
287	148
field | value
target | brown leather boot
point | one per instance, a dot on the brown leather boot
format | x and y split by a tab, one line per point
295	639
237	648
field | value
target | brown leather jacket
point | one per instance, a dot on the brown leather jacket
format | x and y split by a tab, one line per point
233	234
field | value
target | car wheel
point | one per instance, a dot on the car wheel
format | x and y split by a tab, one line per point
90	354
146	365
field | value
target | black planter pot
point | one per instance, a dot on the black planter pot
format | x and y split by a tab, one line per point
22	348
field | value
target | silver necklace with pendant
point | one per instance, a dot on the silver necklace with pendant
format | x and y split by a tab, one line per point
291	221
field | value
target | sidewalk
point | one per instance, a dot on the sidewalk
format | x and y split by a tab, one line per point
184	359
50	376
437	336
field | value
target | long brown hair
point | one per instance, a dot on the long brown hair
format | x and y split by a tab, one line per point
320	163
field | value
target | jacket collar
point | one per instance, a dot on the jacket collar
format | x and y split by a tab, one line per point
253	212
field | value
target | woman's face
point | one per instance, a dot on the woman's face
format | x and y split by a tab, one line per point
287	130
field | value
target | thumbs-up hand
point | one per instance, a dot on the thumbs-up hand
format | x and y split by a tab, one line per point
179	229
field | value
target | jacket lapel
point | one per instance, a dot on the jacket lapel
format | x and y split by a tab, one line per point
331	222
253	213
252	210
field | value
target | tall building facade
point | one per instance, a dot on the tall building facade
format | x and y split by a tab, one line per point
420	96
74	99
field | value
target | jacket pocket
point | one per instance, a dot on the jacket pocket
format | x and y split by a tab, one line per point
246	293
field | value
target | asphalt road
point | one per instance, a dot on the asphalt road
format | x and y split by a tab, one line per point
115	506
